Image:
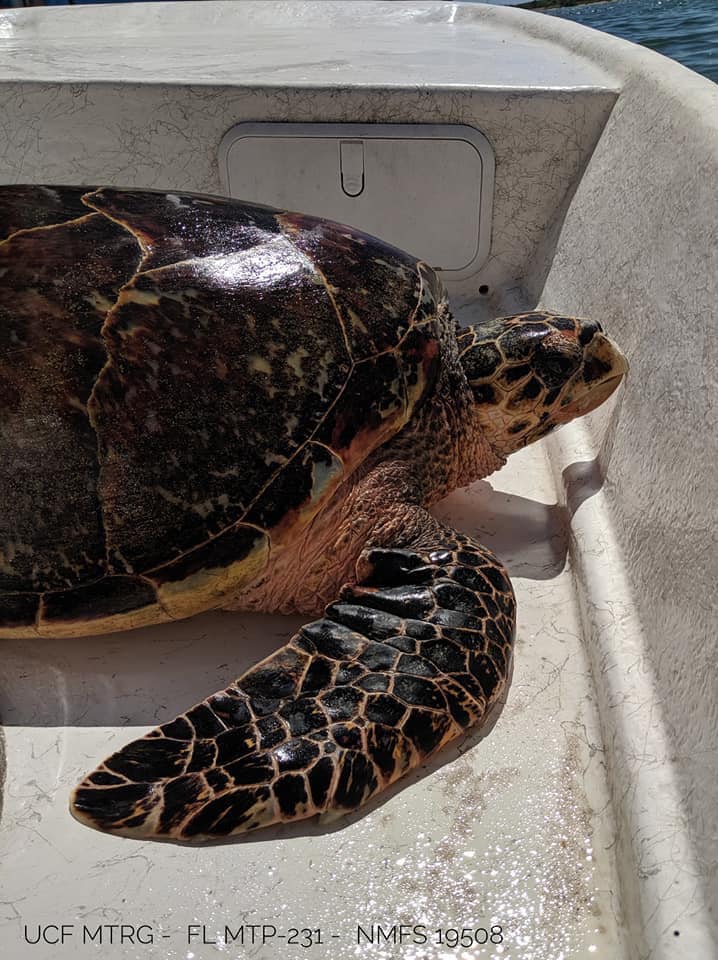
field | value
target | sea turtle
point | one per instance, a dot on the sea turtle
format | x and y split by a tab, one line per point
206	403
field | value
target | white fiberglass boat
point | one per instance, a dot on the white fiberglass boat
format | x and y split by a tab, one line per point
536	162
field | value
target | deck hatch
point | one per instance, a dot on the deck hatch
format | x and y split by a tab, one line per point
425	188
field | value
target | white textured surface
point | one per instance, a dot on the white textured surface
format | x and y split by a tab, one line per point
652	843
284	44
514	830
638	248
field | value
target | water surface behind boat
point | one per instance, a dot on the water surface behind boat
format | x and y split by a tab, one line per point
686	30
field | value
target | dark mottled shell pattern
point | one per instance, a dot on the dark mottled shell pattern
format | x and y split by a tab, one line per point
183	381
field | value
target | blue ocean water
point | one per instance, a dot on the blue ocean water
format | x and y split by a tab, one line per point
686	30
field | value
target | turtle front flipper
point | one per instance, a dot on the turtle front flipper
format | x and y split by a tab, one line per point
402	663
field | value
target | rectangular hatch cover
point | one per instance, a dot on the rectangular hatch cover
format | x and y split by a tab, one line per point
425	188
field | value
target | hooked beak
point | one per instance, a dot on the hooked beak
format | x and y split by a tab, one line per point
603	369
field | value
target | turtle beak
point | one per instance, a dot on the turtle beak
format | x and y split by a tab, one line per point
603	368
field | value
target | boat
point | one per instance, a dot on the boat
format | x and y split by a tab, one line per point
537	163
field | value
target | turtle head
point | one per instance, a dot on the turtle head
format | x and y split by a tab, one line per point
533	372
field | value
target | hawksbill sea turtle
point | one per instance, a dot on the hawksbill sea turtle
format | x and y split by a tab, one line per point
207	403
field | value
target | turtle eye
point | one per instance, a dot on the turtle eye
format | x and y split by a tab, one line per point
556	360
589	328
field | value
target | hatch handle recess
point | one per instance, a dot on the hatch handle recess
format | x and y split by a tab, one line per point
351	153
